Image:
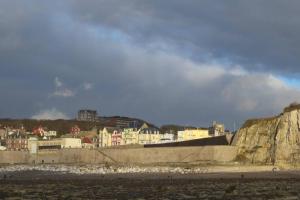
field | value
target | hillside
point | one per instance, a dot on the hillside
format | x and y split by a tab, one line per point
63	126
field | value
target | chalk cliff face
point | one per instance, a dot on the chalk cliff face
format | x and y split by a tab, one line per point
271	141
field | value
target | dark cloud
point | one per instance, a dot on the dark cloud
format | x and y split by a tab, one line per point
257	34
186	62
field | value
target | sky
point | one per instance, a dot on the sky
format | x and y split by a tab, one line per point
168	62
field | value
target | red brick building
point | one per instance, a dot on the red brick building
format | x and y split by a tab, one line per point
17	142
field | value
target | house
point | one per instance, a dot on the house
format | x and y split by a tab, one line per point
148	135
17	141
92	134
130	136
44	133
75	130
3	134
116	137
191	134
50	134
105	136
110	136
87	143
39	131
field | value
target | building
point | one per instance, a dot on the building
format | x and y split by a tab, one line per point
130	136
95	141
120	122
148	135
92	135
116	137
112	136
49	144
35	145
167	137
44	133
75	130
124	122
71	143
87	143
87	115
105	136
191	134
50	134
39	131
17	141
3	134
217	129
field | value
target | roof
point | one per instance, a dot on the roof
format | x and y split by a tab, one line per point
111	129
151	129
17	134
86	140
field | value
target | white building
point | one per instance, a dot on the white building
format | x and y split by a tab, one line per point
33	145
50	133
71	143
167	138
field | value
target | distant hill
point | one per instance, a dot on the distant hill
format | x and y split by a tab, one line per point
63	126
60	125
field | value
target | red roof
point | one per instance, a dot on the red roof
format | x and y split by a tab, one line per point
86	140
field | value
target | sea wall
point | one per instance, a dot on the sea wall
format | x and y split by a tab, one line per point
11	157
166	155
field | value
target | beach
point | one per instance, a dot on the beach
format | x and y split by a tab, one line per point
59	184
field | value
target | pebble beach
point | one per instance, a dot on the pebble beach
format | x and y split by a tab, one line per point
148	182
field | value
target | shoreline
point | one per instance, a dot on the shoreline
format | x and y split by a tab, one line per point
37	184
47	177
91	172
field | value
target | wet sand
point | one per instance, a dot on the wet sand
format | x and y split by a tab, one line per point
56	185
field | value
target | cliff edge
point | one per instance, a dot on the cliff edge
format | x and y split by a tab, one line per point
273	140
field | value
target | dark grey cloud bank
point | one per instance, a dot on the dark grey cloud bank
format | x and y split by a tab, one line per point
261	35
186	62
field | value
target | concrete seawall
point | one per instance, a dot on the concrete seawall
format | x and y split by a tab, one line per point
164	155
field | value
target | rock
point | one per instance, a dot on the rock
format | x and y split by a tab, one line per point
96	169
230	189
273	140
